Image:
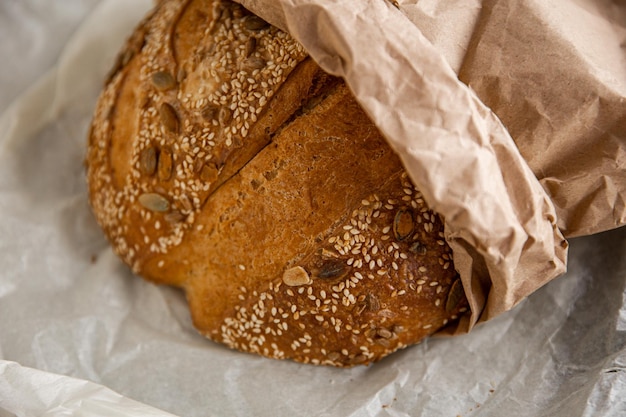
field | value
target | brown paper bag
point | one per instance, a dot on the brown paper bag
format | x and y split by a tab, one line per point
555	74
501	221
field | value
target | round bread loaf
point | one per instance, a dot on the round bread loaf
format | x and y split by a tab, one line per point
224	161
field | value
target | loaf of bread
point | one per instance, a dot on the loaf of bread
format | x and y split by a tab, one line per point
224	161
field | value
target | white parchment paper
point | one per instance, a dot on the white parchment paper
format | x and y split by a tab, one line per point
69	308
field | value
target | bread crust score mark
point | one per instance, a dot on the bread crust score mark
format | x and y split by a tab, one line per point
224	161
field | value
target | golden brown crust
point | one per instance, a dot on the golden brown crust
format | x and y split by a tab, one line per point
222	160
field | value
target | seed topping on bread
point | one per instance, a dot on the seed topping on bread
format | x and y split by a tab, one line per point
186	133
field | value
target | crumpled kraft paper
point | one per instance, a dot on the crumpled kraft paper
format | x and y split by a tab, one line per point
556	76
500	222
68	306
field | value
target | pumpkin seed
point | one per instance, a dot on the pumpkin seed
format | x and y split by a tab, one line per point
174	217
255	63
403	224
397	328
163	80
384	333
417	248
197	165
332	268
383	342
296	276
372	302
455	295
148	160
250	46
165	165
255	23
326	254
154	202
169	118
225	115
358	359
185	202
210	112
209	173
360	308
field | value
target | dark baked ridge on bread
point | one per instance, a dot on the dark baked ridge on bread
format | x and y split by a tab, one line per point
224	161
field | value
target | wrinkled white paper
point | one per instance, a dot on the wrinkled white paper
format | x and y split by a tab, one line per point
27	391
68	307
